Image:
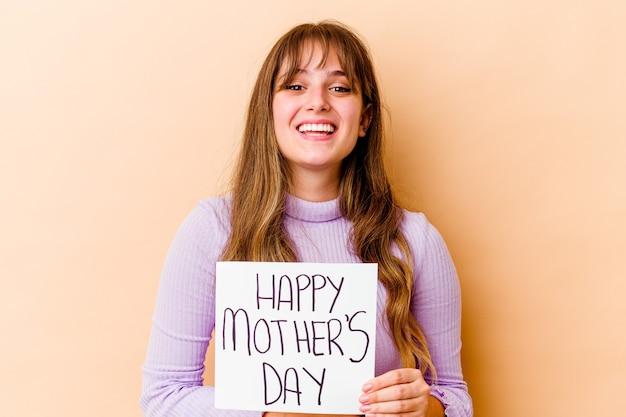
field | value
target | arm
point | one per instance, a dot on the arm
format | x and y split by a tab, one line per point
182	324
437	307
436	304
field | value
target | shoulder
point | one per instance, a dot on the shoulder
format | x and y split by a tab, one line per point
435	274
207	225
422	236
215	209
417	228
211	210
214	214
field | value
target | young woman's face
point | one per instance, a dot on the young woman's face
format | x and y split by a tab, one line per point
317	116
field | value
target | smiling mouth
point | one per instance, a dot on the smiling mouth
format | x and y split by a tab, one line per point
317	129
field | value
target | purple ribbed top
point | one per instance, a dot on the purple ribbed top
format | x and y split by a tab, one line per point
184	315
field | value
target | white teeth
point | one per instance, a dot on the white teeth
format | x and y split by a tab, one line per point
316	128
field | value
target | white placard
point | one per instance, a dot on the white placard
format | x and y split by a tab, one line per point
294	337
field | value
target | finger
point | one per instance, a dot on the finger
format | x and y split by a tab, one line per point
412	406
394	377
396	392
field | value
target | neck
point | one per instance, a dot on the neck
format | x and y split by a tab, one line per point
315	186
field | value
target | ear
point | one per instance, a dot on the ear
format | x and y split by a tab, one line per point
366	119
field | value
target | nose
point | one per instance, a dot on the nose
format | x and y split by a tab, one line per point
317	99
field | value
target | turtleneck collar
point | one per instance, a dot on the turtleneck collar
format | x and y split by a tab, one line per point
310	211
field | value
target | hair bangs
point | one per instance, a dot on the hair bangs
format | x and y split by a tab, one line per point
297	44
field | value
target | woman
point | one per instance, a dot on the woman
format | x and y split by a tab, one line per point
310	186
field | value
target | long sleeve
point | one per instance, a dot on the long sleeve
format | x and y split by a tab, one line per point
184	315
183	320
436	304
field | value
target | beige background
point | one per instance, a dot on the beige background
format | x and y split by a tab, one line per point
508	131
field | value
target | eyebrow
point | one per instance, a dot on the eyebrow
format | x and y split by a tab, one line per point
336	73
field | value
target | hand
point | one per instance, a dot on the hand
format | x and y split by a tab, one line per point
399	392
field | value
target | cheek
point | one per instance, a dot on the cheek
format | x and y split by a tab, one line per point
282	110
353	110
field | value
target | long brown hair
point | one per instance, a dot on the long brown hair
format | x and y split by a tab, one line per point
261	180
